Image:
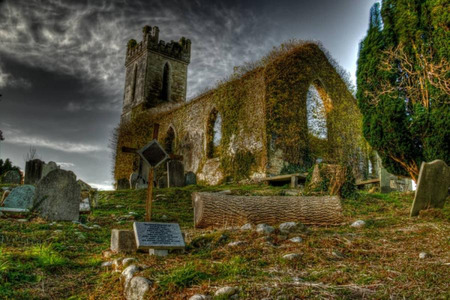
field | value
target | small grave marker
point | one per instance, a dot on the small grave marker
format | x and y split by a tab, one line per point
158	236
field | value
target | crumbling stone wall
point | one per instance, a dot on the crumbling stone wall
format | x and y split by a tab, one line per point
264	126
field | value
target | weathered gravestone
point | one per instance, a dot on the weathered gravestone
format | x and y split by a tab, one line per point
158	237
19	199
123	184
47	168
57	196
133	179
12	177
432	186
175	173
33	171
190	178
162	182
122	241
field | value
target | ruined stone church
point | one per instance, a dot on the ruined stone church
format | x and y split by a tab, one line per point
251	126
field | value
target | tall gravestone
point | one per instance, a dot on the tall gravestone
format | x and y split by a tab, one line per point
11	177
33	171
432	186
57	196
47	168
175	173
190	178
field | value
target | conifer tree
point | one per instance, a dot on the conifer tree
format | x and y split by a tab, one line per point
403	80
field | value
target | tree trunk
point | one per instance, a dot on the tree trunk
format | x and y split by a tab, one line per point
216	209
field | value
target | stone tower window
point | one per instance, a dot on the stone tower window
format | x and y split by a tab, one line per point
169	141
133	86
165	93
214	133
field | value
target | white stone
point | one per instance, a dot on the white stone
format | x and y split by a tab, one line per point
358	224
128	274
199	297
58	231
107	264
85	206
424	255
225	291
138	288
127	261
296	239
287	227
247	226
291	256
236	244
264	229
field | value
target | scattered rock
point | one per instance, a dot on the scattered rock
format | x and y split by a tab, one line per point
292	192
424	255
200	297
290	227
291	256
358	224
138	288
107	264
127	261
127	274
96	226
236	244
247	226
296	239
264	229
225	291
338	254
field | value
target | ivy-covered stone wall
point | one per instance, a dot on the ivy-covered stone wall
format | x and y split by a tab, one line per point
264	124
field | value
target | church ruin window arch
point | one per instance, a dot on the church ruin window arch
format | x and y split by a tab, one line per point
165	91
169	141
133	85
214	133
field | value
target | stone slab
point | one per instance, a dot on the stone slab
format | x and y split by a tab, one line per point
123	241
33	171
175	173
20	197
155	235
13	210
190	178
432	186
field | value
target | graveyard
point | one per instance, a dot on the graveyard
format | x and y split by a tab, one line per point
247	150
63	260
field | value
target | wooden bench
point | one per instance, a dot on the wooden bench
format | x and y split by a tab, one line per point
293	179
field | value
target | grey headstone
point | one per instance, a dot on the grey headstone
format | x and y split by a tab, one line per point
20	197
190	178
153	235
175	173
57	196
162	182
123	184
432	186
47	168
123	241
12	177
133	179
33	171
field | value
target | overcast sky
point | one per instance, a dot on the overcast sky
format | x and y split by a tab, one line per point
62	62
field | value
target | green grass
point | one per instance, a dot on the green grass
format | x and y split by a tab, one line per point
43	261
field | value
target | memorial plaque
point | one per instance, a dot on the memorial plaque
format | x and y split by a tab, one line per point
153	154
154	235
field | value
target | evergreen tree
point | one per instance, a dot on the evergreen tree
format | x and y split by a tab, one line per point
403	79
6	166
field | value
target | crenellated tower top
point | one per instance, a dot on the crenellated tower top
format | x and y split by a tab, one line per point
180	50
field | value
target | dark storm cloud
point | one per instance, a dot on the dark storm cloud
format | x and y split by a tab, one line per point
62	62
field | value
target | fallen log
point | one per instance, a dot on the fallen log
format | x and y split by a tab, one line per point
218	209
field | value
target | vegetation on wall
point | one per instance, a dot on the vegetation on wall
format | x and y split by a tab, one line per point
403	84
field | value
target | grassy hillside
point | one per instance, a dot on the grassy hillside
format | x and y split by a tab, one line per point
41	260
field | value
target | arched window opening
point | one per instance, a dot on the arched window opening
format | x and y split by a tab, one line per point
165	93
317	106
214	134
169	141
133	86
